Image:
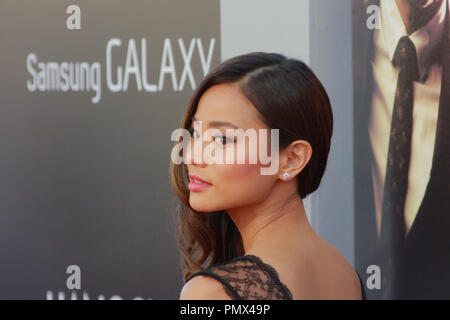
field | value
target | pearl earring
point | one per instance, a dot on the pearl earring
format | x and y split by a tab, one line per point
286	175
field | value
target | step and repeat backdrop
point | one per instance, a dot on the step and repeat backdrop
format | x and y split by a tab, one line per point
90	92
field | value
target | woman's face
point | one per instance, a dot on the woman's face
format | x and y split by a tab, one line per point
232	184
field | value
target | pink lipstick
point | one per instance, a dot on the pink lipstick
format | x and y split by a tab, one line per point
197	184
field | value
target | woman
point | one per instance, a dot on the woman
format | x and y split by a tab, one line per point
243	234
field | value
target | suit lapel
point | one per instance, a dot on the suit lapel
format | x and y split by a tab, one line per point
441	156
438	184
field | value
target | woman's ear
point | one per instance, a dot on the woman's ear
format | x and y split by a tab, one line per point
295	157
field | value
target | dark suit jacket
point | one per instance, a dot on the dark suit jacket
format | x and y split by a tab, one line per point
423	270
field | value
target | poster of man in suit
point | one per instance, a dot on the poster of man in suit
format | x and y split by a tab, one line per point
401	57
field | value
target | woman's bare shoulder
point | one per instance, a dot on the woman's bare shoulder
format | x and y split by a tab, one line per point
203	288
339	277
316	270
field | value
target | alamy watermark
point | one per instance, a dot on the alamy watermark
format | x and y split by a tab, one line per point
374	20
73	21
214	151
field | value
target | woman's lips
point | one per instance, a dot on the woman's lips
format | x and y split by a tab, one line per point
193	186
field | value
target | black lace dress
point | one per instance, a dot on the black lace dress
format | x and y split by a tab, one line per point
248	278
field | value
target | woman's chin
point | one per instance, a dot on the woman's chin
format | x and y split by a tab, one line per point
198	204
201	205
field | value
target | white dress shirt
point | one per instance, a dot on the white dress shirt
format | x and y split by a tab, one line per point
426	103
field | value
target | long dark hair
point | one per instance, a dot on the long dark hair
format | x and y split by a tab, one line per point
288	97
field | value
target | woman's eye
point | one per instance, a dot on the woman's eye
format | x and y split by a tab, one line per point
222	140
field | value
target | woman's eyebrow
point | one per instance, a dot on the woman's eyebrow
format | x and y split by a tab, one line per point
218	123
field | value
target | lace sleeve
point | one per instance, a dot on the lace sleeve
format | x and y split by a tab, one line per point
248	278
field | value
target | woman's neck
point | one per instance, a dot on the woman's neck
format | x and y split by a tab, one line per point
270	223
